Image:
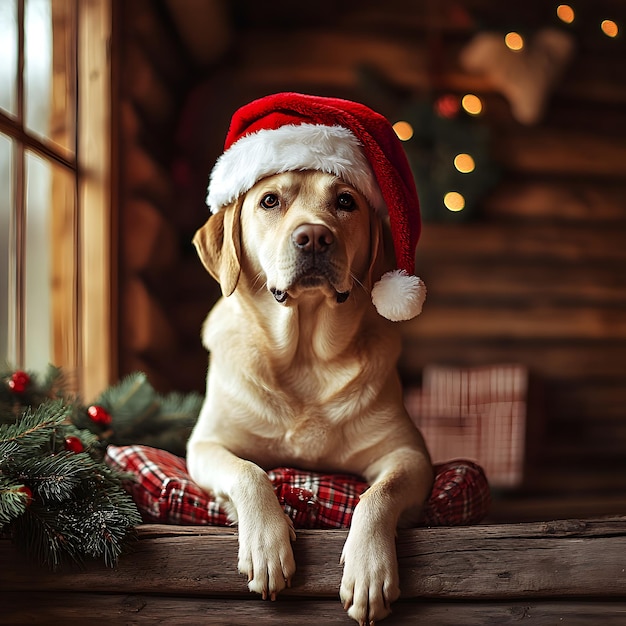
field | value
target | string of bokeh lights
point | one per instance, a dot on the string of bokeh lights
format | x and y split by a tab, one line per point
448	105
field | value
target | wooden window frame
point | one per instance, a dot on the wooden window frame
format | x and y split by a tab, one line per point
95	315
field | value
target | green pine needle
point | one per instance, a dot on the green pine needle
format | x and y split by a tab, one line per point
178	406
53	380
54	478
13	501
131	400
33	430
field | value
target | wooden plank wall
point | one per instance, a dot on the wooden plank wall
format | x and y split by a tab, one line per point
538	278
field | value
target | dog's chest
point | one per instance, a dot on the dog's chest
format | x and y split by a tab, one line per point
316	409
311	440
332	391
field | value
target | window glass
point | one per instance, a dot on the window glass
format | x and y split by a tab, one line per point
38	317
49	71
6	204
8	55
37	65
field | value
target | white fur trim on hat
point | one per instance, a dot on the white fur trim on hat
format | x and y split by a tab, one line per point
399	296
331	149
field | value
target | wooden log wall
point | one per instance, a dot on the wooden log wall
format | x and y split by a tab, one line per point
537	278
540	277
158	333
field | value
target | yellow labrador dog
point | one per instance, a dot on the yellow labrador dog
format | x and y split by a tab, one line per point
303	374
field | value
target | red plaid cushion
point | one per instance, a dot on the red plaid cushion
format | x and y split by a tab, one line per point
166	494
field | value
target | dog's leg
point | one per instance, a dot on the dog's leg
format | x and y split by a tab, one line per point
265	532
400	482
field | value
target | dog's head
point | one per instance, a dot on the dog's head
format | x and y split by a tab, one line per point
294	234
291	132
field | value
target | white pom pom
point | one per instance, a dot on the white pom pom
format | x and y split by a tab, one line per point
399	296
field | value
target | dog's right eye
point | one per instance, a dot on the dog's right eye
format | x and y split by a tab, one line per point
270	201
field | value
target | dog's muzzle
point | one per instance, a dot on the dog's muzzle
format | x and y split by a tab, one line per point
314	243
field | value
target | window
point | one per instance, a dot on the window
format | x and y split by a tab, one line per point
55	216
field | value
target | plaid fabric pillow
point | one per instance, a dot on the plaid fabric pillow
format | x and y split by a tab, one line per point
165	493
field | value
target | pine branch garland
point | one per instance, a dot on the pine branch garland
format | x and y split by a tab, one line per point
139	415
58	501
34	393
57	504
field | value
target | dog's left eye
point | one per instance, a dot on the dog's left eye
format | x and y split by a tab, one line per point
270	201
345	202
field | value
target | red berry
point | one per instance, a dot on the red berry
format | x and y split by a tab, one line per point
28	492
74	444
99	415
19	381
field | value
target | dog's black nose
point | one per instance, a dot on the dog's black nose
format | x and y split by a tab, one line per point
312	237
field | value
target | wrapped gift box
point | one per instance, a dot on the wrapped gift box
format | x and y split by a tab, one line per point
477	413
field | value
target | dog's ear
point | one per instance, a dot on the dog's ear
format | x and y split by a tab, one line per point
383	257
218	244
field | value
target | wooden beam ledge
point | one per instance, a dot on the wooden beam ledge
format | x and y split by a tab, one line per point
499	572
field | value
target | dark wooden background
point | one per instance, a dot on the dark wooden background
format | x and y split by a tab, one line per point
537	277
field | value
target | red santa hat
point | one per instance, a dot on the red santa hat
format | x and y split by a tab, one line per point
289	131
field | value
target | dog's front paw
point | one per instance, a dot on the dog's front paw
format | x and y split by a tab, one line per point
370	578
265	554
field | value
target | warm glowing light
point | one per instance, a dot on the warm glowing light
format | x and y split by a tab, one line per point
464	163
472	104
514	41
454	201
404	130
609	28
565	13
